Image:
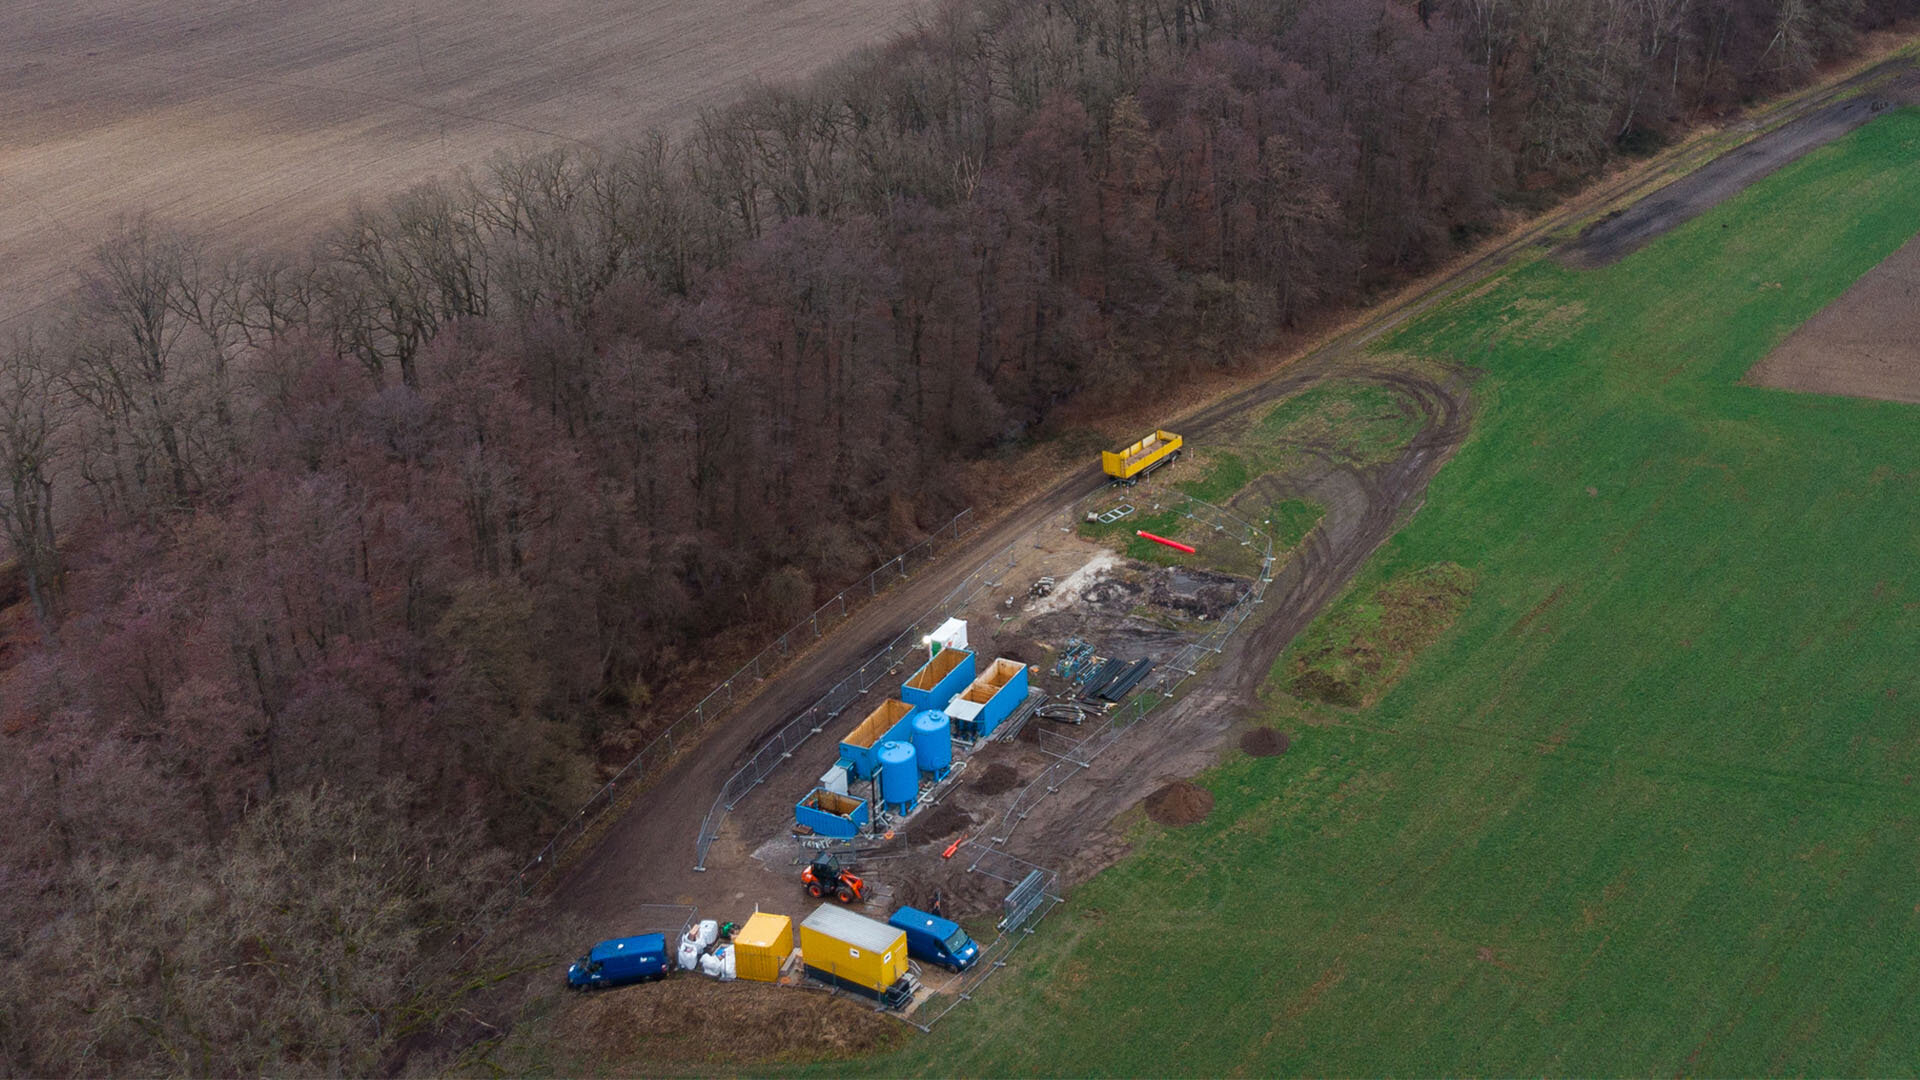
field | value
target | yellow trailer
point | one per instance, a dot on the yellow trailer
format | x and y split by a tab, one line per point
762	946
1129	465
853	951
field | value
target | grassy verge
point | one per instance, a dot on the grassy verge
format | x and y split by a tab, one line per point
1649	804
1353	656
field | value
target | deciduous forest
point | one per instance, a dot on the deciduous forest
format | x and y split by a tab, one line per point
337	573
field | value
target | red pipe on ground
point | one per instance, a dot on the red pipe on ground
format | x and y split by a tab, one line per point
1175	544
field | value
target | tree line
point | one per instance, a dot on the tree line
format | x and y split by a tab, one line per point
347	564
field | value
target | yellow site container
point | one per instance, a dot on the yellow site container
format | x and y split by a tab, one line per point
761	946
853	951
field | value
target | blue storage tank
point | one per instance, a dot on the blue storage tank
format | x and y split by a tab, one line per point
933	742
899	777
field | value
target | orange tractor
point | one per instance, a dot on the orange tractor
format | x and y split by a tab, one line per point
827	877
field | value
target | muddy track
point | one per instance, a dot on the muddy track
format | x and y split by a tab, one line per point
1073	830
1815	121
648	854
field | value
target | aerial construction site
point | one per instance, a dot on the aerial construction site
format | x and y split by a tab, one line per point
952	776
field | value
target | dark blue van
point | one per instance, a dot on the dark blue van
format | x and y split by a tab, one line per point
619	961
934	939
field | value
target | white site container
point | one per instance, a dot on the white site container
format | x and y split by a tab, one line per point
952	634
835	780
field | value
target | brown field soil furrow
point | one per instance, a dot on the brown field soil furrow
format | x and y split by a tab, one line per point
260	123
1865	344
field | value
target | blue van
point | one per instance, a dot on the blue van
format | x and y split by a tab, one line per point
934	939
619	961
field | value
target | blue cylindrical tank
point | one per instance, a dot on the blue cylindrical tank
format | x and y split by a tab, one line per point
899	778
933	741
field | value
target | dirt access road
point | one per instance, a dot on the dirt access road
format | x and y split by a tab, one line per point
260	122
648	855
1818	120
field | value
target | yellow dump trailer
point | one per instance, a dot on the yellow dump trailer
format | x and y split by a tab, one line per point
761	946
853	951
1129	465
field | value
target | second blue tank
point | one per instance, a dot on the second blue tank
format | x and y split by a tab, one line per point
933	742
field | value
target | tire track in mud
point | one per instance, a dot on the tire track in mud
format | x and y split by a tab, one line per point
1073	829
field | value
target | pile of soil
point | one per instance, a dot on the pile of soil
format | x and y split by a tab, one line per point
1197	592
938	823
1180	803
681	1021
1264	742
999	778
962	895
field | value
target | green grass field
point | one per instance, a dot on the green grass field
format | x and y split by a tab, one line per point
1648	804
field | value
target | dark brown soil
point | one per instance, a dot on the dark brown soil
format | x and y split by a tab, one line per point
1264	742
691	1020
1180	803
1000	777
963	895
939	823
1865	344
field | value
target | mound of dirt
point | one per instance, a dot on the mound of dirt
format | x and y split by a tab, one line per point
1180	803
939	823
680	1021
1264	742
963	895
1000	777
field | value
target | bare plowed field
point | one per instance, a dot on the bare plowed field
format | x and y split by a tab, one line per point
260	121
1865	344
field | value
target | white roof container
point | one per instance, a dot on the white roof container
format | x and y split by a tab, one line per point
952	634
856	930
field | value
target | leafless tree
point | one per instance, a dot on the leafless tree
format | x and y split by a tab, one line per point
32	412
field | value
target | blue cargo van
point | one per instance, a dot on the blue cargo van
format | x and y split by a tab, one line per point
934	939
619	961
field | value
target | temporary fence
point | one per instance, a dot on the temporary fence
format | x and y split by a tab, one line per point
1033	894
810	721
659	751
656	753
1033	891
1073	755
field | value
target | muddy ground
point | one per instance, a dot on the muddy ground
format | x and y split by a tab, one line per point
1864	344
649	854
1619	234
1128	610
701	1024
